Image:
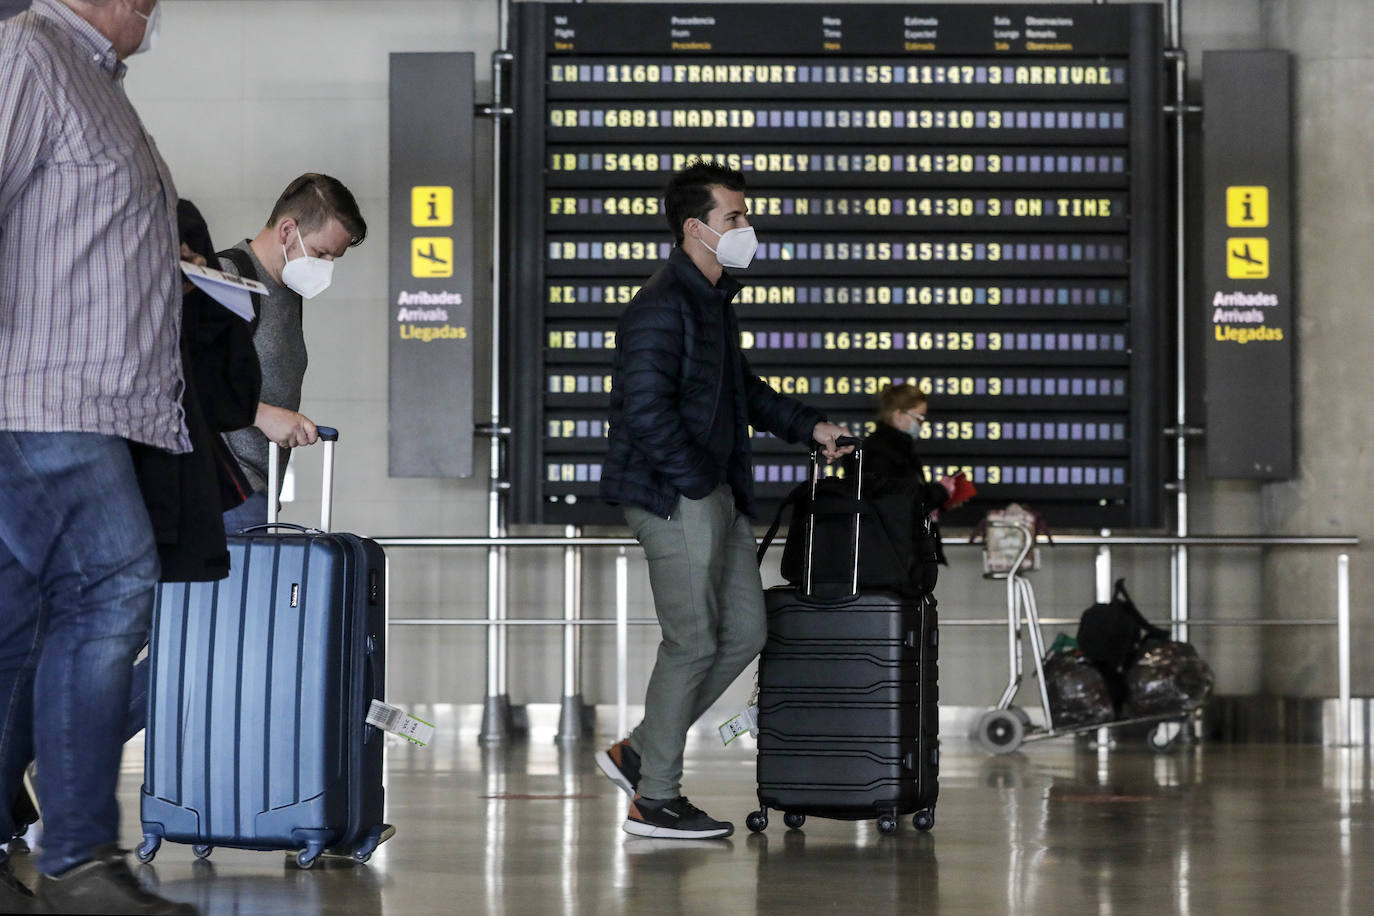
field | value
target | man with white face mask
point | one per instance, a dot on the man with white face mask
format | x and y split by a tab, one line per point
90	314
679	463
315	221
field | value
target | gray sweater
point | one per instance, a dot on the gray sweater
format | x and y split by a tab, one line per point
280	342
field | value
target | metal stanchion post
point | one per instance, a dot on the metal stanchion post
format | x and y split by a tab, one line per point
572	720
1104	570
622	642
496	711
1343	647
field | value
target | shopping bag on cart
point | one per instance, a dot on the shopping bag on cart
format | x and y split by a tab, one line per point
1077	689
1003	544
1167	676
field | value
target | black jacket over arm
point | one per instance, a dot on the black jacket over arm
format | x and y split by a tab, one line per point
186	494
671	351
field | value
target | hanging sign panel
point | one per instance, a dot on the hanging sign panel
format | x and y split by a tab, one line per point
1247	318
961	197
429	310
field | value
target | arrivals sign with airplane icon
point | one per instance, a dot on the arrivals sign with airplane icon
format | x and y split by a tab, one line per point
1249	320
430	277
1247	207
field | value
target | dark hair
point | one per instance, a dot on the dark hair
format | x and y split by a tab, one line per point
894	398
313	199
193	231
688	194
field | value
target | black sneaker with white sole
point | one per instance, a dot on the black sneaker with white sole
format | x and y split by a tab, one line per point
620	763
673	819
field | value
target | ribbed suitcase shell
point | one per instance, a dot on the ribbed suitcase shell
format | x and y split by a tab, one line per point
849	705
260	687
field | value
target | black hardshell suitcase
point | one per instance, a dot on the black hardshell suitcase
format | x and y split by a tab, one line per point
258	698
848	722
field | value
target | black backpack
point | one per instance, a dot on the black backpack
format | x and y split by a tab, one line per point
898	549
1109	634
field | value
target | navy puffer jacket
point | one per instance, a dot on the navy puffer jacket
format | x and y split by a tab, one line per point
670	351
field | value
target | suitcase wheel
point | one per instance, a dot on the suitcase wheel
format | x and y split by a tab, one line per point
202	852
146	850
887	823
924	819
794	821
757	821
307	857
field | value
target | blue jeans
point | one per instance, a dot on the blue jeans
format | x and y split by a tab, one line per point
252	511
77	571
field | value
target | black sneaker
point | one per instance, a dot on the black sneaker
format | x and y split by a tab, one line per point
14	896
673	819
620	763
104	885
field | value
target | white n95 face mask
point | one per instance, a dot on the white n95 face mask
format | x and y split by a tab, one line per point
736	247
151	30
306	276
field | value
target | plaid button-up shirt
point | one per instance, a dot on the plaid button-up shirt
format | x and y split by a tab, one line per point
90	293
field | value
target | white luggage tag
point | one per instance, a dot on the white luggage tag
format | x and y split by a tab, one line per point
397	721
746	721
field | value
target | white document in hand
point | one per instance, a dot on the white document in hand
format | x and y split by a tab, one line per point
234	293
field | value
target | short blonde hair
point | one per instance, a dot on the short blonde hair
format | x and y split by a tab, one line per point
895	398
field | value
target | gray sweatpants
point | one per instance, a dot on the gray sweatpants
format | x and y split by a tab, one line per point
709	601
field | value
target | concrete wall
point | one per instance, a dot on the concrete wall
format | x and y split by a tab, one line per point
242	95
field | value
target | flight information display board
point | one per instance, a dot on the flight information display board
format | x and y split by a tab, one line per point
964	197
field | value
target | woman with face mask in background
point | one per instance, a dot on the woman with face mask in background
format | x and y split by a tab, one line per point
890	450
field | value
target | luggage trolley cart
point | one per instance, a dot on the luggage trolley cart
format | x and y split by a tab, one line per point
1005	727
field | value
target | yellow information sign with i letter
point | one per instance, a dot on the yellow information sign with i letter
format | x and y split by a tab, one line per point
1247	206
431	205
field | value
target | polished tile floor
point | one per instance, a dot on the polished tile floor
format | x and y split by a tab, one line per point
1062	828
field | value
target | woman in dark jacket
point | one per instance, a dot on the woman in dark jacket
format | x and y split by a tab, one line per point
890	451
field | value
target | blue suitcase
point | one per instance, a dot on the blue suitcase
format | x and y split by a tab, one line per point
258	699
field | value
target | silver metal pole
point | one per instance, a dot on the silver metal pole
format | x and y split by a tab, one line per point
1178	611
622	643
1103	568
571	718
327	487
946	622
273	479
1343	647
496	710
572	610
1060	540
503	607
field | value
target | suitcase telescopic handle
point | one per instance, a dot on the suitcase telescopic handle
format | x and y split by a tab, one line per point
328	435
815	476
